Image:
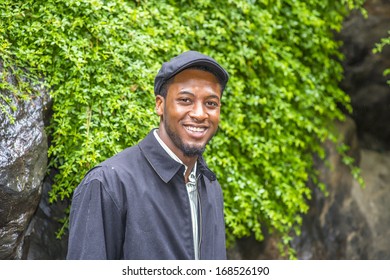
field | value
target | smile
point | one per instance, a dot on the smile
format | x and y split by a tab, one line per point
195	129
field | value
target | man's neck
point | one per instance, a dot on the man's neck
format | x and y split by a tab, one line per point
189	162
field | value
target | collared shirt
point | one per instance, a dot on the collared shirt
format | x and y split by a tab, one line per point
191	190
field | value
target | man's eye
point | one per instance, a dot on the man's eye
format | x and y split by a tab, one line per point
212	104
185	100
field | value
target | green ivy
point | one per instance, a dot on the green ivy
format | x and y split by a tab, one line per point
99	59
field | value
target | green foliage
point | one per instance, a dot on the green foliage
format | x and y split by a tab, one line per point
100	57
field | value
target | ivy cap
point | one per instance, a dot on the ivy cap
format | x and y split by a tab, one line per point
187	60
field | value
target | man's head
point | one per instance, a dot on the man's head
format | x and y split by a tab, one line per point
188	98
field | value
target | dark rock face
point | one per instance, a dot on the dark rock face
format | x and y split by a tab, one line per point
28	222
373	201
23	163
364	80
352	222
336	227
40	241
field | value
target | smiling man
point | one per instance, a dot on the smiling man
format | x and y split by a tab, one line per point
158	199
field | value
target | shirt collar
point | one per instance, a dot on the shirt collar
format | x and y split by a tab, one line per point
172	154
164	165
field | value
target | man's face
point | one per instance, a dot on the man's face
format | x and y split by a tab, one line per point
190	112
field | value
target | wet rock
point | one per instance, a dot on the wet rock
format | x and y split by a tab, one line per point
23	163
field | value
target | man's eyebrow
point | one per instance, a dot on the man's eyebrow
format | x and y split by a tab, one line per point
214	96
186	92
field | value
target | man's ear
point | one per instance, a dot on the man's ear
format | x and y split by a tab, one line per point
160	105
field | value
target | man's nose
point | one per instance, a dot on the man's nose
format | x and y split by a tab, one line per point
198	111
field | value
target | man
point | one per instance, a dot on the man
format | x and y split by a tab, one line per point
158	199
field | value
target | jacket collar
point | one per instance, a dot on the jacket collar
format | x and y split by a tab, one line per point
163	164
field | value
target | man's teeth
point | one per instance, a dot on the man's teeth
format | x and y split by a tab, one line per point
195	129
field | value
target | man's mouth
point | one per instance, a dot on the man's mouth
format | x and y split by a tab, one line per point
195	129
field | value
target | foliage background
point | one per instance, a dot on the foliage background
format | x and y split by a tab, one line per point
99	59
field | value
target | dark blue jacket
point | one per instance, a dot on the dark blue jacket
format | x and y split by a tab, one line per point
135	206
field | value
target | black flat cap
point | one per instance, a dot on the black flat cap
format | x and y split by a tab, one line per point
186	60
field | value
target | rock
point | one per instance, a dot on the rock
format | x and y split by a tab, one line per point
364	80
23	163
41	242
373	201
351	222
247	248
335	227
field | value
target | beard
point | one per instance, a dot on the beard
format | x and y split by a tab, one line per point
188	150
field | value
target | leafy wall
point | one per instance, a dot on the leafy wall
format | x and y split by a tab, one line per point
99	59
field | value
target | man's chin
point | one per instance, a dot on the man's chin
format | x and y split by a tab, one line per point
191	151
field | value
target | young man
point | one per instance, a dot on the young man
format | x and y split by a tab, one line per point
158	199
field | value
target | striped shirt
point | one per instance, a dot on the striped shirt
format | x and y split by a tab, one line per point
192	193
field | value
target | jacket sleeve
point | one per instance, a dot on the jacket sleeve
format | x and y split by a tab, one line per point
95	229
